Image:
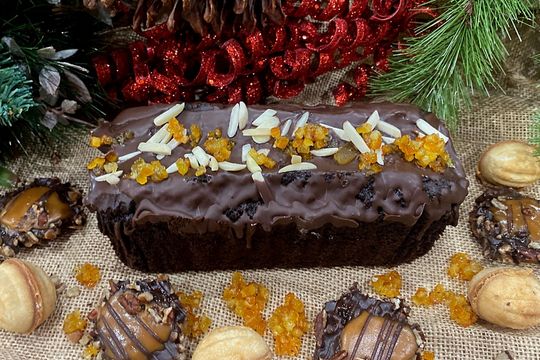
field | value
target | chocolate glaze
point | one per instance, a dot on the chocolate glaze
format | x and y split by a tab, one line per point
331	194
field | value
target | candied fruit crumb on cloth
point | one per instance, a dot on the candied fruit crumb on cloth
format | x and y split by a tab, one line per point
462	267
194	325
247	300
288	324
87	275
388	284
74	325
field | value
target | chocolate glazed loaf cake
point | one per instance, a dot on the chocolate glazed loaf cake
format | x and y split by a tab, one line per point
324	211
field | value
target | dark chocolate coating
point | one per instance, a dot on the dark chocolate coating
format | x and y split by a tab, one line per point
333	215
497	243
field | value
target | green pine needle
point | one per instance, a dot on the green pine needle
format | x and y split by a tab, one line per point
459	56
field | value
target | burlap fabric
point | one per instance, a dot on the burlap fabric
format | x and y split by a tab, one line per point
502	116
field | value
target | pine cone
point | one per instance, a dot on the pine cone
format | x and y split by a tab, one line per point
204	16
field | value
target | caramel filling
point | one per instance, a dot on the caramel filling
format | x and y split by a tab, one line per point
15	211
373	337
134	337
520	216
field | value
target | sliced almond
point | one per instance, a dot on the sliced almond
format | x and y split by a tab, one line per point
131	155
252	165
339	132
286	127
111	178
356	139
173	144
266	114
202	157
172	168
156	148
257	176
262	187
389	129
380	157
257	132
245	151
169	114
301	122
214	166
264	151
168	136
233	121
373	119
159	135
269	122
325	151
229	166
428	129
298	167
388	140
261	139
295	159
242	115
193	162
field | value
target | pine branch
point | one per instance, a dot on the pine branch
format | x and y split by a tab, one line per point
458	56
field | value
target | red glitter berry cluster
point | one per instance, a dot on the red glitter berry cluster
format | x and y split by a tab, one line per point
277	59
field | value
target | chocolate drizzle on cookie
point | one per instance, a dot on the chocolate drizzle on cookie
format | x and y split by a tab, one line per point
360	327
38	212
507	225
140	321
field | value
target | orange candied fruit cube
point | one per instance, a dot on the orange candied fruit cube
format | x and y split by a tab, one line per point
275	132
87	275
106	140
201	170
219	147
96	162
141	171
281	142
95	141
195	134
111	156
310	136
247	300
364	128
421	297
427	355
387	285
288	324
74	322
194	325
426	151
367	160
262	159
178	131
439	295
462	267
461	311
159	171
90	351
373	139
183	166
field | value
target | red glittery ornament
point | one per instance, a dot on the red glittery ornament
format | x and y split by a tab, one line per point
253	62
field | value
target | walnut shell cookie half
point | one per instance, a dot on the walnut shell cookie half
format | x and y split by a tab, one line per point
37	213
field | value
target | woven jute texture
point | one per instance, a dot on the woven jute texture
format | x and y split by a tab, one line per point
501	116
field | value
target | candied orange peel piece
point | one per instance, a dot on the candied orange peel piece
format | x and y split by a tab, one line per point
461	311
421	297
90	351
463	267
183	166
281	141
194	325
427	355
426	151
218	146
262	159
96	141
388	284
96	163
141	171
247	300
288	324
87	275
178	131
74	322
308	137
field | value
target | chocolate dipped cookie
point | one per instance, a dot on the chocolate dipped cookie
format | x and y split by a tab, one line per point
202	187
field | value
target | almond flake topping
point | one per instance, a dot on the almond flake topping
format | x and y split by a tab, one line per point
257	132
193	162
128	156
264	151
156	148
173	144
380	158
267	114
229	166
285	129
242	116
112	178
339	132
245	151
169	114
234	121
388	140
301	122
252	165
172	168
324	152
298	167
159	135
214	166
356	139
389	129
373	119
428	129
202	157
